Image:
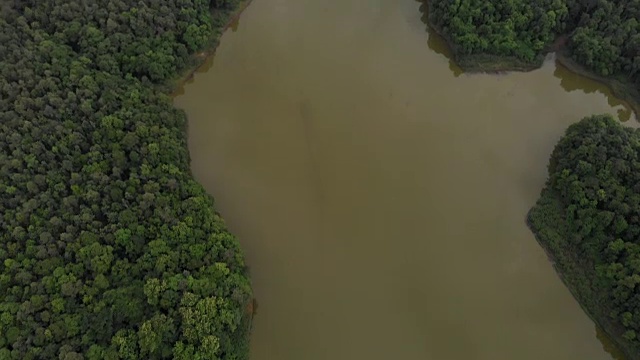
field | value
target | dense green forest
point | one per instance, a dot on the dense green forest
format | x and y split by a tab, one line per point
108	247
588	218
603	35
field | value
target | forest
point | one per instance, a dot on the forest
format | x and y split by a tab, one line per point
109	249
588	220
601	35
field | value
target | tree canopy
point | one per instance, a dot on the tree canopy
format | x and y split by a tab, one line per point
593	230
518	28
606	38
604	35
109	249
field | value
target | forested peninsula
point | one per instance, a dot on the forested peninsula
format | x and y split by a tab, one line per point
588	215
108	247
599	39
588	220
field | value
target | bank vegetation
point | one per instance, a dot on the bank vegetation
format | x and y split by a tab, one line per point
599	38
588	215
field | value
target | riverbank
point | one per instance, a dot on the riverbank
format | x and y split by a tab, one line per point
220	22
494	64
547	223
482	63
546	219
619	88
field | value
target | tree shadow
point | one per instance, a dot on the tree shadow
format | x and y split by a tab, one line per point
608	345
234	24
436	42
571	81
206	64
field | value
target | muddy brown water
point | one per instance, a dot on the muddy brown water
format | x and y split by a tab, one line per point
379	193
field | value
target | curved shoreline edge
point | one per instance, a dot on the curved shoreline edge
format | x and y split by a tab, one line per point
493	64
626	92
220	25
576	274
576	278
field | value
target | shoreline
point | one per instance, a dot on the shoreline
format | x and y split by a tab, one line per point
567	268
625	91
482	63
570	271
497	65
198	59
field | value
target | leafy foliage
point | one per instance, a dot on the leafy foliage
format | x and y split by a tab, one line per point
607	37
594	227
519	28
604	35
108	247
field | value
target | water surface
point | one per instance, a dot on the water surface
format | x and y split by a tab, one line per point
379	193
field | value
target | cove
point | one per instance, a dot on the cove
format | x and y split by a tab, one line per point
380	193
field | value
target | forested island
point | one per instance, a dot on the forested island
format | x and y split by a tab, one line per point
109	249
600	38
587	217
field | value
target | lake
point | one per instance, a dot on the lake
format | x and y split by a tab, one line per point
379	193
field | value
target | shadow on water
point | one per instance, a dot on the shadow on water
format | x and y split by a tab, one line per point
234	24
203	68
608	345
207	63
436	42
571	81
